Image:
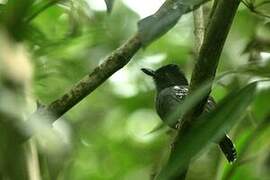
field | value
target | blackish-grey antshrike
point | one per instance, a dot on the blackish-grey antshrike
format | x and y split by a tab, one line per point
172	88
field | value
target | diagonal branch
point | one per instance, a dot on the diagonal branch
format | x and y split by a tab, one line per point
115	61
85	86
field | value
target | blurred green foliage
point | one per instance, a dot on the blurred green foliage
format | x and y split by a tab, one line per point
106	136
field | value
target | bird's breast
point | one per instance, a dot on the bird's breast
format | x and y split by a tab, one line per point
168	103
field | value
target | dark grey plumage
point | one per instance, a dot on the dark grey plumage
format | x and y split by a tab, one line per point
172	88
167	101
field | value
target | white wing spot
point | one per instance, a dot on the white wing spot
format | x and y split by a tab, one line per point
180	92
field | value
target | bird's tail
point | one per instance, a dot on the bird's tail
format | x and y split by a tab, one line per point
228	148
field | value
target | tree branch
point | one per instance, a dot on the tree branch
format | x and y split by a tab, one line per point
85	86
206	65
115	61
208	59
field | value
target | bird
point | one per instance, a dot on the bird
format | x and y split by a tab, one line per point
171	89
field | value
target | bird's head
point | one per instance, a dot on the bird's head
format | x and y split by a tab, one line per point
166	76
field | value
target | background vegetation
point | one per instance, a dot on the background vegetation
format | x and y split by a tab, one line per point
107	135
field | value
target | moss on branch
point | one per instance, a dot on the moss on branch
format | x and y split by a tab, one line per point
115	61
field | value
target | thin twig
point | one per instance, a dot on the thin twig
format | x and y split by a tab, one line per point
198	19
253	7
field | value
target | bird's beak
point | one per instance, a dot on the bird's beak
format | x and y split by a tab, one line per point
149	72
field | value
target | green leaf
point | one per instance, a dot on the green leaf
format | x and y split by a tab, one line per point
209	127
109	4
154	26
38	8
13	16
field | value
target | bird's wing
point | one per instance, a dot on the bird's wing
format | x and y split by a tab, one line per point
170	98
167	103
